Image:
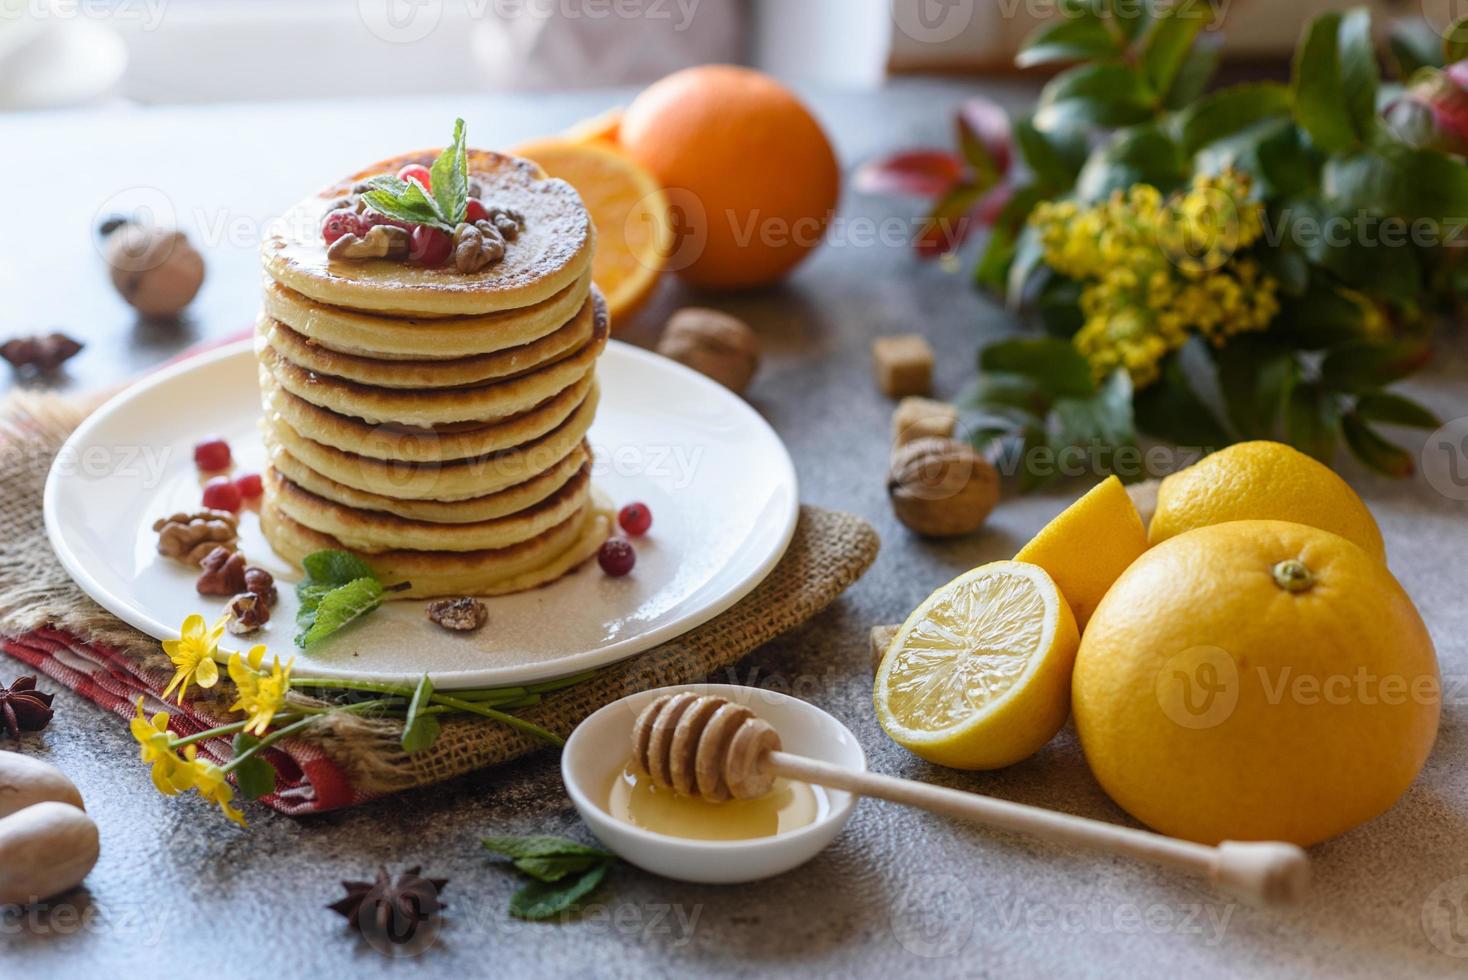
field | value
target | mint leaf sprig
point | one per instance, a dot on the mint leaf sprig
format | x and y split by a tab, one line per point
444	207
563	872
339	588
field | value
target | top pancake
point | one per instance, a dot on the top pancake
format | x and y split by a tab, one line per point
551	253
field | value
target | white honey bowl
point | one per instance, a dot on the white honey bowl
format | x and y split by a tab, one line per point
601	746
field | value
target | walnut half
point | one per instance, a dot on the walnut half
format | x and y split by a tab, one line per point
188	538
460	615
380	242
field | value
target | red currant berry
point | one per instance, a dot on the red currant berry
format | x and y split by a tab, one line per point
420	174
212	455
475	211
429	246
342	221
635	519
249	485
616	557
220	493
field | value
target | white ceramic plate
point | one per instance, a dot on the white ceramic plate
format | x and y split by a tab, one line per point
720	484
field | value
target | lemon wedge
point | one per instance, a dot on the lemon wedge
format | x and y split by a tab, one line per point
979	675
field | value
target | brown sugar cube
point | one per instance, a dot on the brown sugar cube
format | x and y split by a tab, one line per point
916	417
882	637
904	365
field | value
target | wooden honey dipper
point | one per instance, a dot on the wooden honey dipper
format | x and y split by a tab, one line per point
710	747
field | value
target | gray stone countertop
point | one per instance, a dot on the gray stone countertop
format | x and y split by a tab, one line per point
180	891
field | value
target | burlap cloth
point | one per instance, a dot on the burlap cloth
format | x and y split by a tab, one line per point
38	600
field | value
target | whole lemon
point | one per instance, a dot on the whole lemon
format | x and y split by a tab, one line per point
750	174
1266	481
1256	680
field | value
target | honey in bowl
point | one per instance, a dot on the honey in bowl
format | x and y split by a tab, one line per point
789	805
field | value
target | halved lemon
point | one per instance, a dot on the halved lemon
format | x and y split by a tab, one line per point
979	675
634	231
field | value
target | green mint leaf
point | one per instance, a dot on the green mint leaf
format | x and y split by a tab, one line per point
337	608
334	568
555	868
255	777
545	900
537	846
420	730
450	178
414	210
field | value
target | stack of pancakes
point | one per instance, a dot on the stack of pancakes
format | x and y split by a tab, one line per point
432	421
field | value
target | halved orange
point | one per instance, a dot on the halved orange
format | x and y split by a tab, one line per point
604	127
633	224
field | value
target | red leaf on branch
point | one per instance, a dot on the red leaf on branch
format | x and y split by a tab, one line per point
985	139
925	173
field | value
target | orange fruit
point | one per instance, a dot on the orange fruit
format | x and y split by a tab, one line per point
1256	680
605	127
633	233
752	178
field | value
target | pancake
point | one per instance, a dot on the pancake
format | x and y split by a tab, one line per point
553	250
432	574
450	480
468	511
488	402
387	338
444	443
404	373
371	532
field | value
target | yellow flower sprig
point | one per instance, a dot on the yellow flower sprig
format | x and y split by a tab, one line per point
261	695
1155	271
193	654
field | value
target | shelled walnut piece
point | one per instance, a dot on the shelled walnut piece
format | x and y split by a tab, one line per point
188	538
463	615
248	613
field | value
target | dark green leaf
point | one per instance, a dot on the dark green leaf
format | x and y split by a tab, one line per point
255	777
1389	408
538	845
1068	39
545	900
450	178
993	267
1288	267
1055	365
1255	375
1197	70
1312	420
1359	72
413	206
1455	42
419	730
1320	98
1287	164
997	389
1367	365
1414	44
1029	256
334	568
1322	317
1058	305
1228	112
1130	17
1138	155
1371	448
1107	93
1170	38
337	608
556	867
1170	408
1399	180
1054	158
1368	264
1102	421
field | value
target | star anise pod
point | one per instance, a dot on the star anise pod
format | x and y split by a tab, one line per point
23	708
41	354
391	908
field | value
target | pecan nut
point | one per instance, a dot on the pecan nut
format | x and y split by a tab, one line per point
223	573
262	583
247	613
188	538
462	615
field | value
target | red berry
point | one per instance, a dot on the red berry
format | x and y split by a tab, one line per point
475	211
249	485
420	174
220	493
616	557
635	519
429	246
342	221
212	455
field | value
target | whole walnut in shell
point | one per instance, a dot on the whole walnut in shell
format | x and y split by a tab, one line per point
942	488
721	346
155	269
